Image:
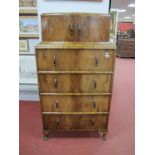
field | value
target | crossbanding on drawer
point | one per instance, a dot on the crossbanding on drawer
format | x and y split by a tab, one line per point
75	83
75	122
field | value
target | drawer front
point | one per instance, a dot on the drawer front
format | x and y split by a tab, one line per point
75	83
75	103
75	60
74	122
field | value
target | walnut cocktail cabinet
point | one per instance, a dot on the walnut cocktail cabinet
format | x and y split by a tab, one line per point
75	85
87	27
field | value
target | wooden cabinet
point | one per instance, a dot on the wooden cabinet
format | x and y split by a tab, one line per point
75	72
126	48
75	27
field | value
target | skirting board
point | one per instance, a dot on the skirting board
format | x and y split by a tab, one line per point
28	92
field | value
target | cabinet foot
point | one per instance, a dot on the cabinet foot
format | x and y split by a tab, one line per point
45	138
102	135
45	135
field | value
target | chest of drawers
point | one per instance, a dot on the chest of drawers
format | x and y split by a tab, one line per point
75	66
75	85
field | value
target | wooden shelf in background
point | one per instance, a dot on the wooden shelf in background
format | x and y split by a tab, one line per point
28	35
28	12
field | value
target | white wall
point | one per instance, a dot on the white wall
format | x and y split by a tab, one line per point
45	6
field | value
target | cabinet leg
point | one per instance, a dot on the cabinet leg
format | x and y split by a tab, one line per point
45	135
102	135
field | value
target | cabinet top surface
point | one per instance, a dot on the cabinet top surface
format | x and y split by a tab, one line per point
75	45
75	13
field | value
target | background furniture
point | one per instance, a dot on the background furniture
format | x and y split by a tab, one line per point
75	78
126	47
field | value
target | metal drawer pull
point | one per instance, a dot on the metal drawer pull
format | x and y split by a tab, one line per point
55	83
94	84
106	54
54	60
58	121
96	61
57	104
71	28
79	29
94	104
93	121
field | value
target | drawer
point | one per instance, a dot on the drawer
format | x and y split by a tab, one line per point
75	103
75	83
74	122
75	60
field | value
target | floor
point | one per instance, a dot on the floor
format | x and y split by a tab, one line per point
120	139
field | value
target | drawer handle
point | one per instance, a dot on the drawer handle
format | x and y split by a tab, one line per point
94	84
71	28
79	29
58	121
55	83
54	60
106	54
96	61
94	104
93	121
57	104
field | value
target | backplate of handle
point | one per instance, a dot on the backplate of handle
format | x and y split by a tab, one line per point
54	60
79	29
94	84
94	104
93	121
96	61
55	83
58	121
71	28
57	104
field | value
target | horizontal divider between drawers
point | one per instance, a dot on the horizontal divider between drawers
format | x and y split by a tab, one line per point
75	113
74	94
104	130
75	72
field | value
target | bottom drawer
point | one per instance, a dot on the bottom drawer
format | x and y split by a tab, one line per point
75	122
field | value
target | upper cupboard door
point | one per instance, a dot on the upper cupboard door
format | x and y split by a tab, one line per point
93	27
58	27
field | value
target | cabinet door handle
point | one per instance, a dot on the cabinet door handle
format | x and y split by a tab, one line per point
55	83
71	28
54	60
94	83
79	29
93	121
58	121
57	104
96	61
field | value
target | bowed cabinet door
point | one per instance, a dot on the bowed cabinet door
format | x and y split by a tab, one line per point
58	27
93	27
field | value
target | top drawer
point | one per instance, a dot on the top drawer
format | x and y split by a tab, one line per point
85	27
74	60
